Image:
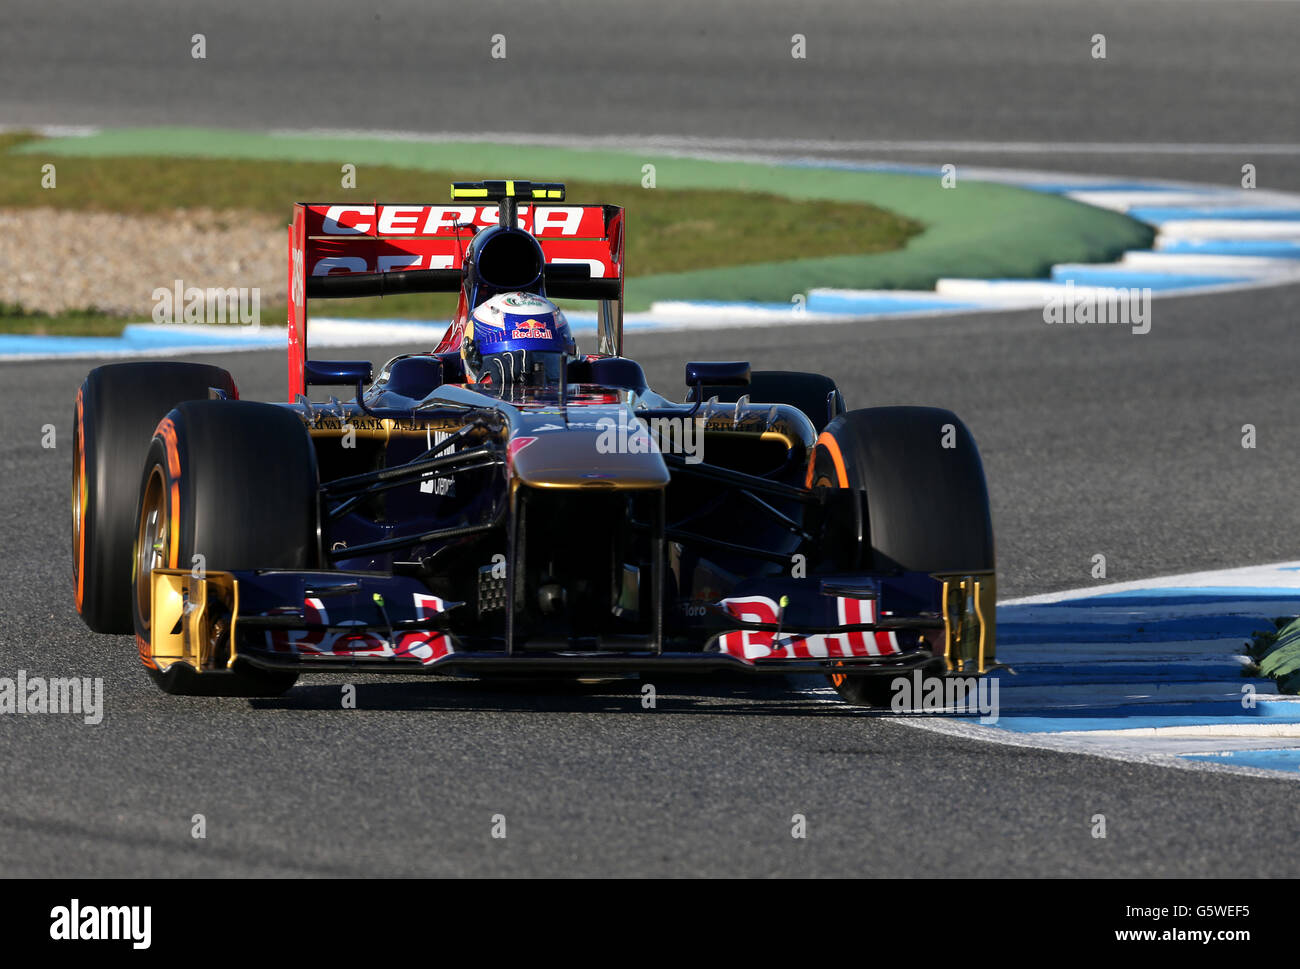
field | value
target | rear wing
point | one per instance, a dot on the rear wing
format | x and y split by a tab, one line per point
347	250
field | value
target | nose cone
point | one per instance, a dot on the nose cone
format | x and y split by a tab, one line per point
589	457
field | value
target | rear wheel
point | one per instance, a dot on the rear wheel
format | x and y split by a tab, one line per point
918	502
227	485
117	409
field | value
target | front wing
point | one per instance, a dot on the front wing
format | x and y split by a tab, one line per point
316	621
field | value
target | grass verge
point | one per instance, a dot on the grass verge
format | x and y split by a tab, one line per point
671	231
83	322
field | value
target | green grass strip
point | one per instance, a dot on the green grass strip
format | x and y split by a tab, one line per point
974	230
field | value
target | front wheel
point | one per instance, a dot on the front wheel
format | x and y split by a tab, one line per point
228	485
918	502
874	691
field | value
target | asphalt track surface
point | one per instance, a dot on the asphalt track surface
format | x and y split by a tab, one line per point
955	72
1087	449
949	70
1094	440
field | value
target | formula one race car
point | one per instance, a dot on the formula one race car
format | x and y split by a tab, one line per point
505	504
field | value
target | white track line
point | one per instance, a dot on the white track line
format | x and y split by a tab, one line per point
1253	229
1275	575
1155	758
1289	731
1167	745
690	142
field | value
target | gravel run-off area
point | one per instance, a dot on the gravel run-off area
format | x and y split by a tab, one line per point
57	260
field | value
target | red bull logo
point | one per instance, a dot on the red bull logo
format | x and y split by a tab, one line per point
531	330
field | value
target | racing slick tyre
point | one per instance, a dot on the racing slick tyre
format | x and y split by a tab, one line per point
920	504
236	483
813	393
117	408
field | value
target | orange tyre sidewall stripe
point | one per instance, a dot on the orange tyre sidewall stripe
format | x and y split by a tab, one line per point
146	652
82	489
833	449
167	431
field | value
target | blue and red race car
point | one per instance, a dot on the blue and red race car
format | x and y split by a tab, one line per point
506	503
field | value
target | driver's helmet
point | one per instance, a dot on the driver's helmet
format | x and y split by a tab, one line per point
517	338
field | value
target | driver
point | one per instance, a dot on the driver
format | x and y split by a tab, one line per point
517	339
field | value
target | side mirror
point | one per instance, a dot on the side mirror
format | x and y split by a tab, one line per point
715	373
352	372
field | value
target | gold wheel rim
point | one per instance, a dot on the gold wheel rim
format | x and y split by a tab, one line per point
151	541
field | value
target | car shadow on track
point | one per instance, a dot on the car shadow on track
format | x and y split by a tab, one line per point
681	695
